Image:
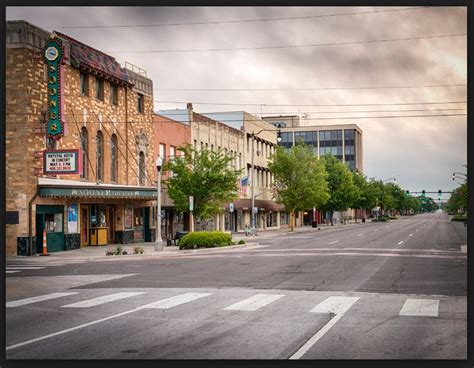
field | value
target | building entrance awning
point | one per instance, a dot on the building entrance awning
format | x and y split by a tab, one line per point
263	205
57	188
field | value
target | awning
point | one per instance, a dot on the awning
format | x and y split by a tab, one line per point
57	188
262	205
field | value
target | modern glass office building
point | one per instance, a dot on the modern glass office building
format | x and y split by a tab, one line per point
342	141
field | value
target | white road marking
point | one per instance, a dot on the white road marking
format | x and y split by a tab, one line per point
334	304
101	300
176	300
400	242
23	268
71	329
410	235
11	271
255	302
360	235
37	299
420	307
334	242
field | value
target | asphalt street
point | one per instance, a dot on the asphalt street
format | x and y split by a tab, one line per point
393	290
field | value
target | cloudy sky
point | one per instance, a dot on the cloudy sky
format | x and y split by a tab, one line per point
303	58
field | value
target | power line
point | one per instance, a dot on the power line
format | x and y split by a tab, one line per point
237	20
325	105
269	114
306	89
284	46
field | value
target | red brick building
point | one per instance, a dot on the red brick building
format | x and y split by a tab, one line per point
169	135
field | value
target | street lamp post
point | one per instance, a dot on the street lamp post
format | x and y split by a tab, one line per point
252	188
158	240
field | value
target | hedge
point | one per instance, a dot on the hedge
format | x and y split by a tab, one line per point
205	239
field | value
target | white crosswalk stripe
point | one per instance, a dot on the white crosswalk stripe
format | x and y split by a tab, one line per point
255	302
7	271
420	308
176	300
335	304
20	268
101	300
37	299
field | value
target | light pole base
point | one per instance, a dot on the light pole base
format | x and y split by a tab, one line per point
159	245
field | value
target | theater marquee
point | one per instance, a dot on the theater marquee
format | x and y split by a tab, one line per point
62	162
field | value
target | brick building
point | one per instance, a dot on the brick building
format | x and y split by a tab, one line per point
231	131
105	123
169	135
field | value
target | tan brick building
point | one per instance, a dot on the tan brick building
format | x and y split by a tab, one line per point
232	132
107	116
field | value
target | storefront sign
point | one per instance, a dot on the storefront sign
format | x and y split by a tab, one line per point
231	207
53	53
62	162
72	218
98	193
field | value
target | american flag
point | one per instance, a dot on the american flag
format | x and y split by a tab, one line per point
242	185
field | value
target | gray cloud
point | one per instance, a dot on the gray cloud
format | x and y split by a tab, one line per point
423	151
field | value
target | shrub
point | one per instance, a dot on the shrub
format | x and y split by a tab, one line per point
124	252
138	250
459	218
109	252
205	239
241	241
118	251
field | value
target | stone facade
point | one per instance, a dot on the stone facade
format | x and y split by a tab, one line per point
26	108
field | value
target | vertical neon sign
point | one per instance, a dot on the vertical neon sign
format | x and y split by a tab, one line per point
53	54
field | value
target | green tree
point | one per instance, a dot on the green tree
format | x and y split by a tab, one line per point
341	186
205	175
366	196
300	179
458	200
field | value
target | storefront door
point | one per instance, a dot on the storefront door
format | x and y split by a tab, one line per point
50	218
84	226
138	228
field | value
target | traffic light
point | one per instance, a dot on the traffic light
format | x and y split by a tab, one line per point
453	175
439	194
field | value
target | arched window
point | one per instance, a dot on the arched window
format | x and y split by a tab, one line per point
113	158
99	140
85	153
141	168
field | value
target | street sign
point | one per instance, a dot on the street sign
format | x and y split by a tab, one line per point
191	203
255	210
231	207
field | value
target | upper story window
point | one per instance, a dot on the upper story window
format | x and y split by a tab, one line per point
162	152
99	89
84	84
113	158
172	152
114	94
85	152
141	103
100	155
141	168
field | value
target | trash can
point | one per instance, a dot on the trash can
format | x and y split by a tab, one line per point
179	235
315	224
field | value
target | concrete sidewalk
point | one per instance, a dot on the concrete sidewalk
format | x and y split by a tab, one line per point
91	253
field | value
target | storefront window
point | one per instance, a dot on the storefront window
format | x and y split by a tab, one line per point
128	217
53	222
283	218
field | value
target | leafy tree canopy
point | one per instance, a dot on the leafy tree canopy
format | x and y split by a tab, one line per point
300	178
207	176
